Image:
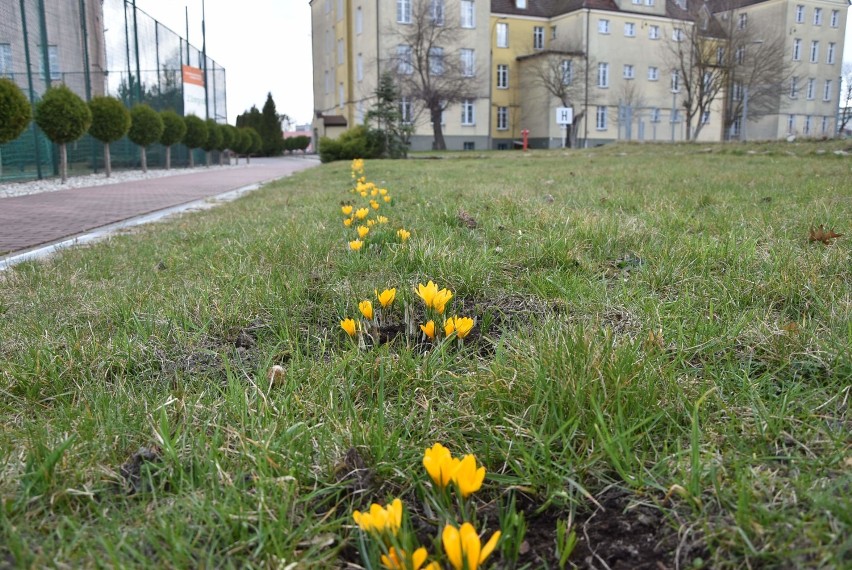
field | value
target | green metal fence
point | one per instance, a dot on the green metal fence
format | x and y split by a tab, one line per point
96	47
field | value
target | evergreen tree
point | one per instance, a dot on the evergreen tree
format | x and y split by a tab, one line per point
174	129
110	122
64	117
270	129
251	118
146	127
196	135
15	111
388	120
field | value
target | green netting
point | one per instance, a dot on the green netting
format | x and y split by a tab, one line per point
96	47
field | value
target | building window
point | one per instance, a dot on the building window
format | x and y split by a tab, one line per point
737	91
468	145
521	4
603	26
637	2
630	29
502	76
705	117
807	128
467	112
552	33
340	95
653	32
817	16
403	56
653	74
340	52
327	82
810	88
835	18
791	124
675	81
743	21
739	55
707	81
502	35
825	125
797	49
737	126
603	75
600	118
649	2
567	72
675	118
468	62
814	51
794	87
826	90
720	55
359	67
677	34
800	14
359	20
436	10
436	60
5	60
53	62
467	14
538	37
405	114
830	56
502	118
629	72
403	11
655	114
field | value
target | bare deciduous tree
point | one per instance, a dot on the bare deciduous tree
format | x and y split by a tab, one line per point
845	98
430	68
561	72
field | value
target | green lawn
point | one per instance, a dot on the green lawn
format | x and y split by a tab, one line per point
661	362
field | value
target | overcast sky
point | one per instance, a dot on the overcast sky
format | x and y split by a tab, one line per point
264	45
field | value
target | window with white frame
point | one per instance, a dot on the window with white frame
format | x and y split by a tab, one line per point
811	88
817	16
655	114
436	11
653	32
814	51
468	19
403	58
737	91
806	130
835	18
53	62
675	118
469	145
327	82
637	2
359	20
600	118
5	60
567	72
502	35
742	21
468	62
405	113
629	71
829	58
359	67
739	55
791	124
825	125
538	37
341	99
436	60
359	113
521	4
630	29
603	75
653	73
603	26
794	87
707	81
403	11
502	118
677	34
797	49
800	14
649	2
502	76
340	52
552	33
826	90
705	117
720	55
675	81
467	112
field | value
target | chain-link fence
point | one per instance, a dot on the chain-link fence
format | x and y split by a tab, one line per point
97	47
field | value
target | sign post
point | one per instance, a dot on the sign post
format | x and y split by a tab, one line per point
564	118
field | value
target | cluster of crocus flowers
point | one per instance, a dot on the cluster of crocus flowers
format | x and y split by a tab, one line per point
364	216
372	315
444	469
463	547
380	519
436	301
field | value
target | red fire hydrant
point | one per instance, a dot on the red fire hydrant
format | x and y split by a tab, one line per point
526	134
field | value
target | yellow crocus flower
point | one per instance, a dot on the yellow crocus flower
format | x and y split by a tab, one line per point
439	463
463	547
467	477
366	308
427	293
355	244
386	297
382	219
347	222
429	329
374	204
373	192
380	519
403	234
361	213
449	326
371	223
347	209
386	198
463	326
363	231
349	326
383	191
399	560
440	300
363	193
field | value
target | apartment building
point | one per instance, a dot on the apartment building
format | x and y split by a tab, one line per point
613	62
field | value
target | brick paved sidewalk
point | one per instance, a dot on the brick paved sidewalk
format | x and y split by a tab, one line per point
40	219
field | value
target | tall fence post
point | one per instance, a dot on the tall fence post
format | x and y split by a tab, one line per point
30	84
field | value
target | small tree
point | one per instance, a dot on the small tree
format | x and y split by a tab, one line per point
232	139
110	122
270	128
64	117
146	127
15	111
845	98
196	135
387	118
243	145
256	144
174	129
214	138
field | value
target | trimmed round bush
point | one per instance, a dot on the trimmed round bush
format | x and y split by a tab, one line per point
15	111
62	115
110	119
174	128
146	125
196	135
214	136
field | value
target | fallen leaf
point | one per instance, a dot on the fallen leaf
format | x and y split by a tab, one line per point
823	235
